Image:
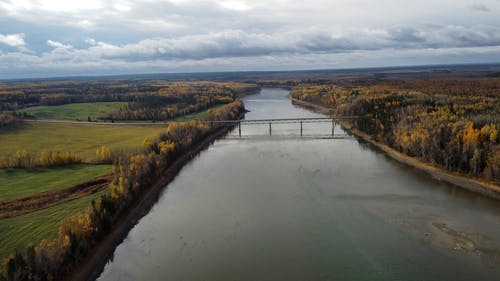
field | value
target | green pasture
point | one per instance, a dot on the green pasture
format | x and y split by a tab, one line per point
18	183
82	138
29	229
74	111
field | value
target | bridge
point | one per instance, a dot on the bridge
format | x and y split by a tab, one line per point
270	122
239	123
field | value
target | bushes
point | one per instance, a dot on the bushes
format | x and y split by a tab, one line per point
8	119
26	159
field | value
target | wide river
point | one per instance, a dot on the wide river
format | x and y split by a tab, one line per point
282	208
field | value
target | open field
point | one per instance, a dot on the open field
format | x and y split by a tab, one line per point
21	231
74	111
81	111
80	138
195	116
18	183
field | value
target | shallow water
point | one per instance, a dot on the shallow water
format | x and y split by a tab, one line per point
274	208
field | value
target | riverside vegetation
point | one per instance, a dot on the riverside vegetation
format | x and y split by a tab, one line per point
46	248
453	124
132	174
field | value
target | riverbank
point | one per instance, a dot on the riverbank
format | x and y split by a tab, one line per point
486	188
92	265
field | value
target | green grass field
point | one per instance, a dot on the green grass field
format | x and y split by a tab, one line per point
81	111
195	116
18	183
74	111
80	138
19	232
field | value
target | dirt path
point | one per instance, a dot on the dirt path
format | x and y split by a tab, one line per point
487	188
21	206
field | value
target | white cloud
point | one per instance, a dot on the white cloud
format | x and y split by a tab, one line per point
13	40
235	5
58	45
90	41
157	23
122	7
69	6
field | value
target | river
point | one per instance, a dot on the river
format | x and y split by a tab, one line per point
275	208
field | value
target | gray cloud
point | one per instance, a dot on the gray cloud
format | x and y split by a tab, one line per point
118	35
479	7
237	43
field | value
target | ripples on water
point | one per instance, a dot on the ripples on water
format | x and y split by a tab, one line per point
273	208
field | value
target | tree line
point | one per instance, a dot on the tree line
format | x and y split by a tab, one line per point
133	173
454	127
15	96
8	119
26	159
161	107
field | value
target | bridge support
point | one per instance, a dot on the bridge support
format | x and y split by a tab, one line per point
239	129
301	128
270	132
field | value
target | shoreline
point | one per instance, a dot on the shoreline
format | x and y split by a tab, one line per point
92	266
486	188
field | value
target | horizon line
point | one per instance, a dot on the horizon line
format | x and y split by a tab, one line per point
139	75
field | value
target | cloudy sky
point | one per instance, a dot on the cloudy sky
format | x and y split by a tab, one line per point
41	38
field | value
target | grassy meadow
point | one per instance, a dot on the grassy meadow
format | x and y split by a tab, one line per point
82	138
195	116
21	231
74	111
18	183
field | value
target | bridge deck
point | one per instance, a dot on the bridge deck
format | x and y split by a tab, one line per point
270	122
289	137
285	120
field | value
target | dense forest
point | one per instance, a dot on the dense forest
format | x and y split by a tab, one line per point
453	124
148	99
178	99
133	174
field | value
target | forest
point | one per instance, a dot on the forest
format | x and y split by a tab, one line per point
132	174
453	124
146	99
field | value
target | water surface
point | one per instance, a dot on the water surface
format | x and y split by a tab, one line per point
273	208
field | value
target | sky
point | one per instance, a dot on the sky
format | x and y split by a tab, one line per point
45	38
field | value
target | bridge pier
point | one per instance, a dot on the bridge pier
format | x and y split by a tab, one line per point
261	122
